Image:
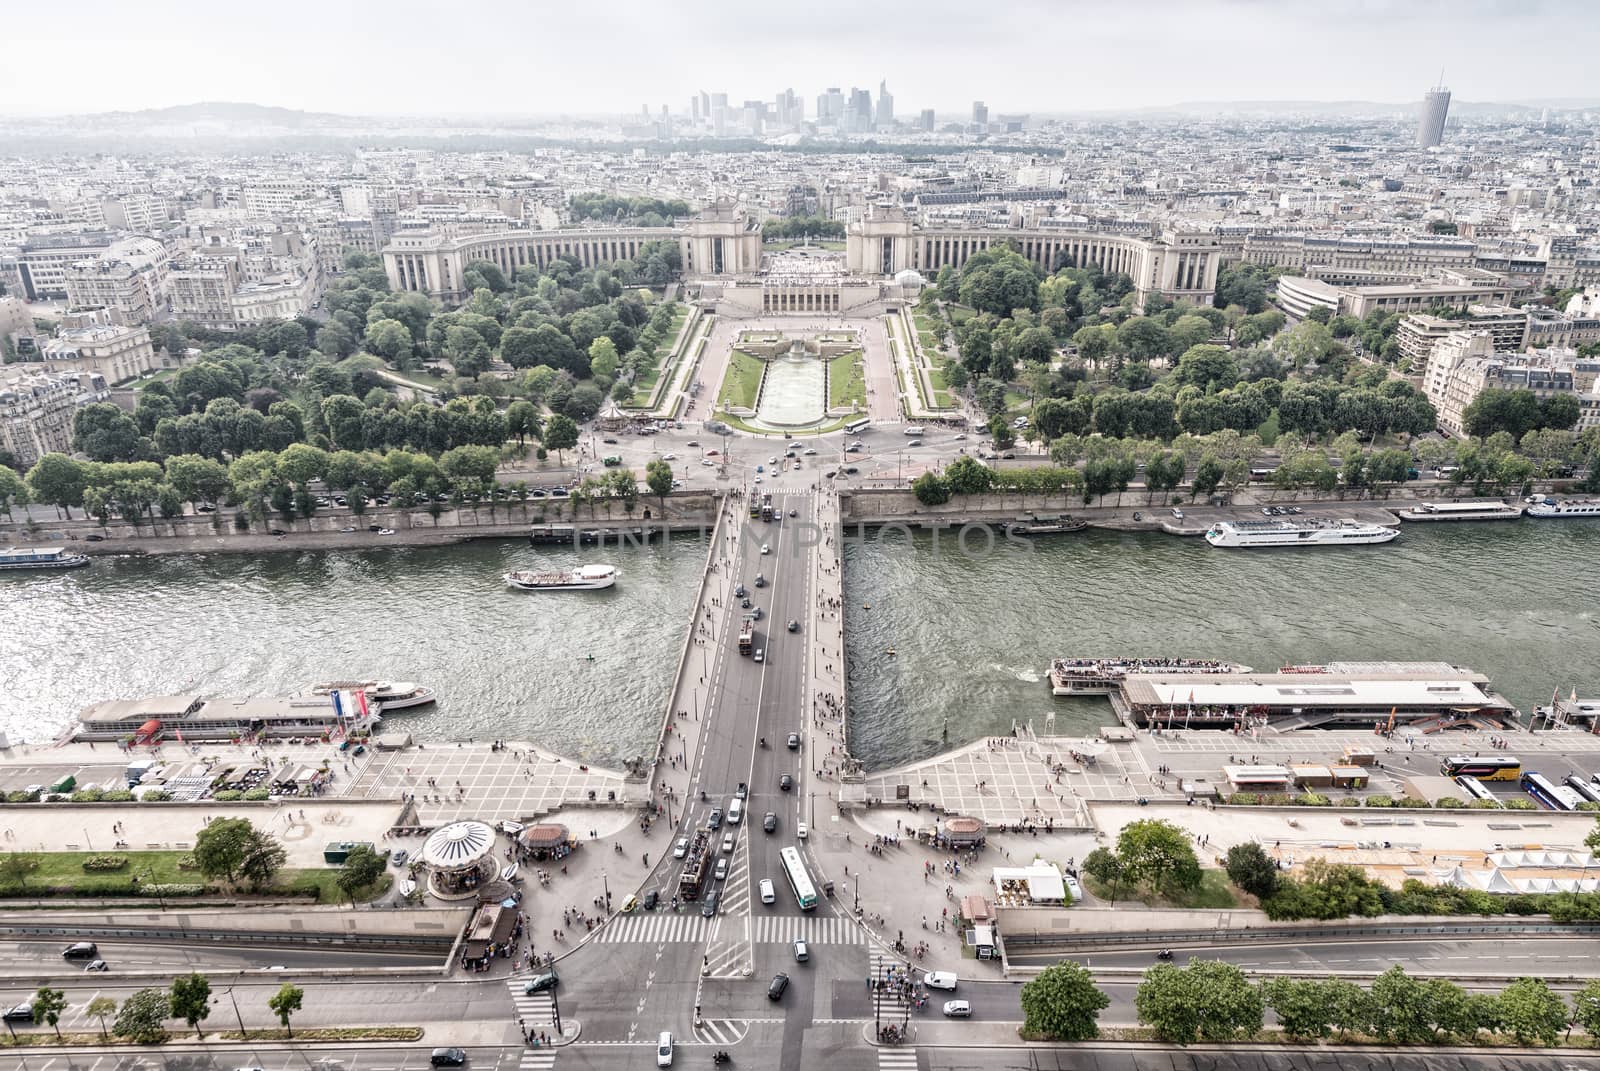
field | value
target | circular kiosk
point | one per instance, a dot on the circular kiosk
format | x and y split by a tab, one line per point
459	858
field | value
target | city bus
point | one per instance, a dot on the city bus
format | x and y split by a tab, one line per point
611	461
1474	788
1486	768
1585	788
1555	797
747	637
857	426
799	880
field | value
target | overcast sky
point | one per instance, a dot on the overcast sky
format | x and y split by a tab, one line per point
410	57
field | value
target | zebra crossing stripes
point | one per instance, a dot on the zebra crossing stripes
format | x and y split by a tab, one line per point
537	1010
537	1060
721	1031
823	930
658	926
897	1059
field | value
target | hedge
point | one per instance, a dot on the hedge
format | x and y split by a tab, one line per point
99	864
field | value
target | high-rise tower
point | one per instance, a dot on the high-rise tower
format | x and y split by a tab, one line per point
1435	108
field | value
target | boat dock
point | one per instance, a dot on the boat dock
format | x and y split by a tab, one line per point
1102	676
1348	695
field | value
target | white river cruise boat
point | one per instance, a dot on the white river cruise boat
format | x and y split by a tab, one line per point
1460	511
583	578
1546	508
389	695
40	558
1299	532
1102	676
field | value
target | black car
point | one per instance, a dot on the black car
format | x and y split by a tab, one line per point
374	527
851	470
276	531
779	986
80	950
770	822
786	782
540	982
448	1058
22	1013
715	821
708	906
95	538
651	899
744	603
609	442
739	590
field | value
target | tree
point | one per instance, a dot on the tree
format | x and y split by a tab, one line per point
100	1007
142	1016
16	866
1105	866
1586	1008
1206	367
1204	1001
1207	475
391	340
1062	1003
1253	870
560	434
58	480
968	476
48	1004
190	1000
220	847
1400	1008
1301	1005
285	1002
522	420
1349	1006
658	477
931	489
1532	1012
105	432
263	858
361	868
1160	853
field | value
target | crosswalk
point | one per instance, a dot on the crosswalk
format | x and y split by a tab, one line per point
813	929
721	1031
897	1059
658	926
536	1010
537	1060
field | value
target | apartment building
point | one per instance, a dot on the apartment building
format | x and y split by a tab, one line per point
115	352
1465	364
37	407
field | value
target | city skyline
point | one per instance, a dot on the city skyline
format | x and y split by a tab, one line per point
1390	53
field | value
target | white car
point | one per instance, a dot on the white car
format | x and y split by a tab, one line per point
765	549
769	892
800	830
758	479
772	460
945	980
680	849
1074	890
664	1049
957	1009
722	870
727	842
708	463
802	952
810	452
669	457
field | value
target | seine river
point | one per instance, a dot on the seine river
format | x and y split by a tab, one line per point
972	634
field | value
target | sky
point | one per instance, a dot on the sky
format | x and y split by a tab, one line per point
533	57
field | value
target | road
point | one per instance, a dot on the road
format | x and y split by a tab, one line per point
32	959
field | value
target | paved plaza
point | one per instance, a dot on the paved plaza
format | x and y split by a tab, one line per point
516	782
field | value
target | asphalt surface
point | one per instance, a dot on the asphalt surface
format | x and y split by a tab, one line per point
31	959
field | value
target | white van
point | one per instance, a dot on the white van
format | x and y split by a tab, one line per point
914	429
769	892
735	810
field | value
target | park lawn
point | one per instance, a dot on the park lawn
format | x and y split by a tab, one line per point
959	314
643	387
742	382
1269	429
941	400
1215	892
1018	404
64	870
160	377
936	377
847	380
417	375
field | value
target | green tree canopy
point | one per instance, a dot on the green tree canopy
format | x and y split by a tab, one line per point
1062	1003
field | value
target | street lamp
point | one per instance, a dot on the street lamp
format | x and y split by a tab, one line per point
235	1002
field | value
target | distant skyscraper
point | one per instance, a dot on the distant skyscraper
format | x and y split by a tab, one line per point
1435	108
980	113
858	111
926	122
885	106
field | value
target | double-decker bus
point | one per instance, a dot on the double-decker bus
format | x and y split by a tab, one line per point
695	868
1583	787
799	880
747	637
1474	788
1556	797
857	426
1485	768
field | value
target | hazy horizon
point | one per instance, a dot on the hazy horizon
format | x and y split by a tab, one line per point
399	58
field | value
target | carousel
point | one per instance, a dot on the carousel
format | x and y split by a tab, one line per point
459	859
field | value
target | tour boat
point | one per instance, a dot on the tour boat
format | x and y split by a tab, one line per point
1546	508
583	578
389	695
1299	532
41	558
1102	676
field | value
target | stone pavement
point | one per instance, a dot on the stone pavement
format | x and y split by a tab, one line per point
518	782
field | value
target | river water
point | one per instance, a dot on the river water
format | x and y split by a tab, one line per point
507	663
973	634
